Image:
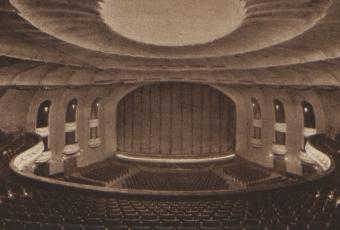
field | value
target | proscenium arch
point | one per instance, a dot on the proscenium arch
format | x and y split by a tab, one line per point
174	114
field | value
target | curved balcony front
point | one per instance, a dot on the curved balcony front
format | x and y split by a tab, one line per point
71	150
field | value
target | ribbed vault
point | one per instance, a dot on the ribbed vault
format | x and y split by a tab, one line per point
67	42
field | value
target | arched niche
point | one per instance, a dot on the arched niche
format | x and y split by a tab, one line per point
42	122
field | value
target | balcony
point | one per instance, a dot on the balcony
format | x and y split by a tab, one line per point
309	132
279	149
71	149
45	157
94	123
319	157
42	131
256	142
29	156
257	123
280	127
305	158
70	127
94	143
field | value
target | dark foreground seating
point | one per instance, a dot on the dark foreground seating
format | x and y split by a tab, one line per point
49	209
24	205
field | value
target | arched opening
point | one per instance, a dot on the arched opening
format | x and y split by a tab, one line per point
280	123
308	115
309	121
279	147
42	122
257	122
71	126
170	119
94	123
71	148
280	116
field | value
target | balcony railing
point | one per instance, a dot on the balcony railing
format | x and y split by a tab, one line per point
257	142
94	123
28	157
42	131
71	149
279	149
70	127
319	157
305	158
280	127
93	143
257	123
45	157
309	132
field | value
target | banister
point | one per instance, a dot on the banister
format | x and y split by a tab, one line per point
30	155
316	148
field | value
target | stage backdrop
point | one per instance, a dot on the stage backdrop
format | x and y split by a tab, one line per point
176	119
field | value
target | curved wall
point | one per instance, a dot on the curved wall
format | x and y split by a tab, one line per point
19	107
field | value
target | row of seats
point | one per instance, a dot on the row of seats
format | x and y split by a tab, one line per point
106	172
175	181
270	181
50	209
113	173
245	174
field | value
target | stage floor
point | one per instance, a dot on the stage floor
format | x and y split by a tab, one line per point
175	159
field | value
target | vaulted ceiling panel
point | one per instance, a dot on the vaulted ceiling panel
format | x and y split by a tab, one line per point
71	42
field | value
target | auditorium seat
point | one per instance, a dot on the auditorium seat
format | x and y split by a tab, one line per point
105	172
238	213
246	174
175	181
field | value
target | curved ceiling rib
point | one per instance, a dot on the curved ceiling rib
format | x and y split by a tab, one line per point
60	42
28	73
264	32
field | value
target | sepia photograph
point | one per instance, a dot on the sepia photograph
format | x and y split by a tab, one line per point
169	114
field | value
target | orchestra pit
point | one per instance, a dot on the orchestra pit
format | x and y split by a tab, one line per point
169	115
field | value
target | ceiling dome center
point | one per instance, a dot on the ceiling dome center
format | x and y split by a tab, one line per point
173	22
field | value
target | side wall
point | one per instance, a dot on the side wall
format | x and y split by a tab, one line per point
291	100
19	108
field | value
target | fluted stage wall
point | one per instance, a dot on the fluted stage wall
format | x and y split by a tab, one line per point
176	119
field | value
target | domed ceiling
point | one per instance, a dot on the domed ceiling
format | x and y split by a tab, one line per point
251	42
172	22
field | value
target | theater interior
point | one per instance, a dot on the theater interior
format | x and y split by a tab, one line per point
169	114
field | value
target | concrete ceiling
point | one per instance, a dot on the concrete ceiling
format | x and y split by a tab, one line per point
264	42
170	23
